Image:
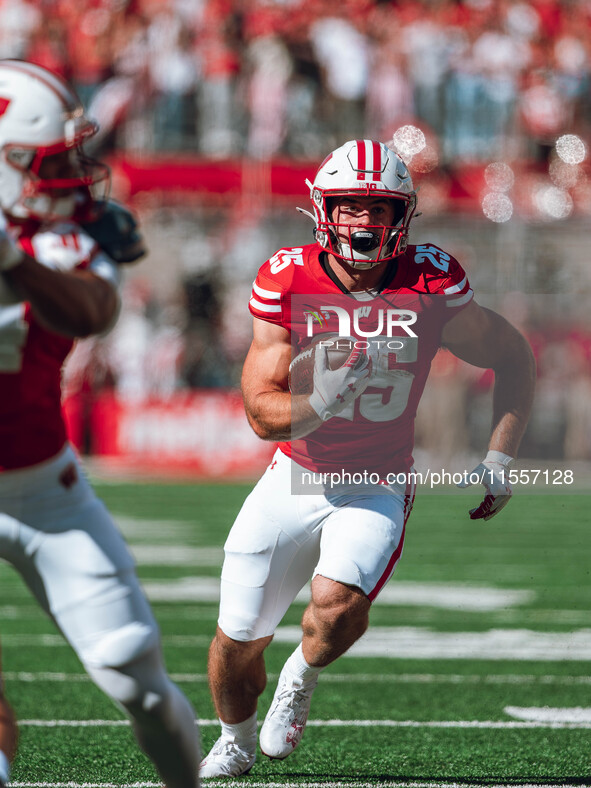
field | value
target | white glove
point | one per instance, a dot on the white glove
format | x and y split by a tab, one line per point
493	473
335	388
10	254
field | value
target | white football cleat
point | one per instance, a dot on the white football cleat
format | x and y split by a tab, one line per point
226	759
284	724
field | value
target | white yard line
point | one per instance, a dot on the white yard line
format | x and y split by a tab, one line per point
340	678
492	644
328	784
381	784
478	724
550	713
408	643
53	640
176	555
448	596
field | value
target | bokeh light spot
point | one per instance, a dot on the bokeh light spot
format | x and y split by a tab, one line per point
553	202
408	141
497	207
499	176
564	175
571	149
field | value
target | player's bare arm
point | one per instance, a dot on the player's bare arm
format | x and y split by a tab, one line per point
273	412
485	339
74	303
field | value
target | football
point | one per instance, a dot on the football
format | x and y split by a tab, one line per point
301	369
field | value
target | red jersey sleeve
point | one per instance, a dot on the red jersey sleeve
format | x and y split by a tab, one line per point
266	301
445	277
456	289
271	288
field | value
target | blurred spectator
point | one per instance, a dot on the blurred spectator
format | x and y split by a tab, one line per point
220	48
544	113
389	93
121	103
19	21
174	74
342	52
130	343
500	60
48	47
271	67
90	54
427	45
265	77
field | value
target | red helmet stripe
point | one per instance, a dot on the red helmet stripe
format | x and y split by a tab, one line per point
377	161
360	160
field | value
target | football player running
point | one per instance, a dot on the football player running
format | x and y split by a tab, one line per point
60	250
346	537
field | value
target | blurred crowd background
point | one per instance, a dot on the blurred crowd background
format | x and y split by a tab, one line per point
488	78
488	102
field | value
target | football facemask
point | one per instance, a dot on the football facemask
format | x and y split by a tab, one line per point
363	245
60	195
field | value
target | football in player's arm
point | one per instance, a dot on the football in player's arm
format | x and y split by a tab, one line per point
356	422
62	245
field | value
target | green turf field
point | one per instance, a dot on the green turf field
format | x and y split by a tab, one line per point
476	670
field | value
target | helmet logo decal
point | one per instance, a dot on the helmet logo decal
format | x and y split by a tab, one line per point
369	153
4	104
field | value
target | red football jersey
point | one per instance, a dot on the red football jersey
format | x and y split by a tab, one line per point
421	290
32	427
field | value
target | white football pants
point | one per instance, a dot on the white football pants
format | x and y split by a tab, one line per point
62	540
352	534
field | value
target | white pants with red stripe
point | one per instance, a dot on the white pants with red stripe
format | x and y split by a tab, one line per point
352	534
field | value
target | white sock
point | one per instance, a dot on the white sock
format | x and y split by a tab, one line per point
297	665
243	733
4	768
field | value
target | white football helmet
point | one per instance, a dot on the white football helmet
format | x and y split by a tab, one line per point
363	168
40	116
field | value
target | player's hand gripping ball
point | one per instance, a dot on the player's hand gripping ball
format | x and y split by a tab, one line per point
333	371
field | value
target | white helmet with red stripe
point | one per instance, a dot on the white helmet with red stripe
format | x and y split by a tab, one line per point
40	116
363	168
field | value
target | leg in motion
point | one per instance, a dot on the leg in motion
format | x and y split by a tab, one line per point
97	602
336	617
237	677
162	718
8	738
